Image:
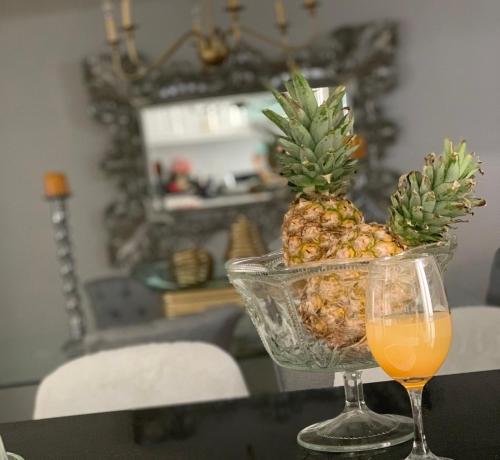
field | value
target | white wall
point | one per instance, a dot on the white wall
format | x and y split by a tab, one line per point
44	126
449	86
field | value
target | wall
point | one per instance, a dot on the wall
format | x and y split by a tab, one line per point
44	126
448	87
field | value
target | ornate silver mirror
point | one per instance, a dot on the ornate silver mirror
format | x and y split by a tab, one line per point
207	115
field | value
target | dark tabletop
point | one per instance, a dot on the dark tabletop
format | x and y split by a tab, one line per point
461	416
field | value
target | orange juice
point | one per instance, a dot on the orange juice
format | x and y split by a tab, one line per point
410	347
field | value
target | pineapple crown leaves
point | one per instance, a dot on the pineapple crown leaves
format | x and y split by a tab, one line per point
318	142
426	204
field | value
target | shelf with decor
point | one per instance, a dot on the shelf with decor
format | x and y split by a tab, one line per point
178	203
229	135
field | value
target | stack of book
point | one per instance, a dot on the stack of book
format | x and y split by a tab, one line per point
192	301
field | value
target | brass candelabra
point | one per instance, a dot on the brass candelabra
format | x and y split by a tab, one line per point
213	44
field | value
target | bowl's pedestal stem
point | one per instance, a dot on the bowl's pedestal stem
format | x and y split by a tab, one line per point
357	428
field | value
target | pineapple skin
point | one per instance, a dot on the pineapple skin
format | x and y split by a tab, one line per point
312	227
332	307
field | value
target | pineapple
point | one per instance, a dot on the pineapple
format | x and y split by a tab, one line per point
322	224
318	163
423	208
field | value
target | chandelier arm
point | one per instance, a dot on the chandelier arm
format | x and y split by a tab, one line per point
116	62
143	70
271	41
263	38
131	47
169	52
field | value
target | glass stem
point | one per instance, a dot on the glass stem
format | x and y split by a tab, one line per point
419	443
353	386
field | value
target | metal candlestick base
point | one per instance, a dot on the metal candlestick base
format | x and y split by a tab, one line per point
77	327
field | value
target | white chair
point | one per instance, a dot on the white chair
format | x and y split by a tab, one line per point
475	347
140	376
476	340
292	380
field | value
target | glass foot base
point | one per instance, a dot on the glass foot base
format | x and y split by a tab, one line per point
428	456
11	456
356	430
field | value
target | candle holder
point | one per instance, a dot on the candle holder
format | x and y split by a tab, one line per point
57	192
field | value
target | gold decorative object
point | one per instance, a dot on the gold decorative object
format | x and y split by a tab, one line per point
192	266
244	239
214	44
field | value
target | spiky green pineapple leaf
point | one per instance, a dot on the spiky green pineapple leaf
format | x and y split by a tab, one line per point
426	204
281	122
318	140
291	108
304	95
291	89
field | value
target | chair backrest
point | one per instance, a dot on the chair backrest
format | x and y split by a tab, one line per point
291	380
493	293
141	376
213	326
476	340
122	301
475	347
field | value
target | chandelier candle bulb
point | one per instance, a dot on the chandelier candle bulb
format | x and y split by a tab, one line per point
279	9
196	19
311	6
109	23
126	14
233	5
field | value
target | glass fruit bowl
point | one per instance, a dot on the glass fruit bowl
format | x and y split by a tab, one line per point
275	298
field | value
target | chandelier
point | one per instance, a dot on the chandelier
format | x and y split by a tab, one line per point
213	44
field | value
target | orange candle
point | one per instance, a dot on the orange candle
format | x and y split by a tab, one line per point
56	185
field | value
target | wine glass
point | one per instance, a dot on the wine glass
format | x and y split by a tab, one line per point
408	327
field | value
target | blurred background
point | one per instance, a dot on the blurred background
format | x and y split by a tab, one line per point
173	173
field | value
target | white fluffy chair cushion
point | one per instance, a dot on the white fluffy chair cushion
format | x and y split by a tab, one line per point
140	376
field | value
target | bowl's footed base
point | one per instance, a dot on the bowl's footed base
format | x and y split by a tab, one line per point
428	456
11	456
357	430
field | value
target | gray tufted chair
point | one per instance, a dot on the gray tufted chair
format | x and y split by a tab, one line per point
128	313
121	301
